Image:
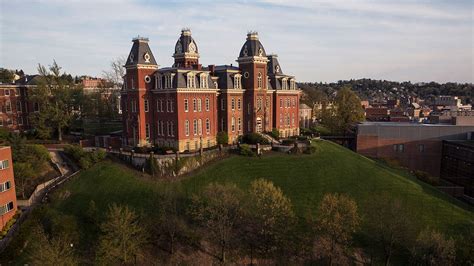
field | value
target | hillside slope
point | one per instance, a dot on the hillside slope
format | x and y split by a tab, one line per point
303	178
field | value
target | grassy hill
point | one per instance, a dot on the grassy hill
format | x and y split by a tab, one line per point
303	178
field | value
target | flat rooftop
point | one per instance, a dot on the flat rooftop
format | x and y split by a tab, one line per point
406	124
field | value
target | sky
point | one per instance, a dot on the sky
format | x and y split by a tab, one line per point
316	41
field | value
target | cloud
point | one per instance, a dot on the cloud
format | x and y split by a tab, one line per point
315	40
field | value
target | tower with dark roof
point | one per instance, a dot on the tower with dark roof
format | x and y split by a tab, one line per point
186	54
253	64
140	66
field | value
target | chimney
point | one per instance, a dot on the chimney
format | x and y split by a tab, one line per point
212	68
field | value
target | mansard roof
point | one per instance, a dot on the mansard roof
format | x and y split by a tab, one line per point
180	78
252	47
140	54
185	44
226	74
273	65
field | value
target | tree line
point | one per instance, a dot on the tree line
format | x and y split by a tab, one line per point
368	89
253	226
60	102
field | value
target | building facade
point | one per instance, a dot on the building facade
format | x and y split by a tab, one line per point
415	146
457	164
8	205
184	106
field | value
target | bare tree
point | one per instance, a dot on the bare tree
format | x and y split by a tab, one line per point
337	221
116	72
432	248
218	209
389	224
123	237
51	251
268	219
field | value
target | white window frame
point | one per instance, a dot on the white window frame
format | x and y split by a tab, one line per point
186	127
186	105
147	131
146	105
5	186
4	164
195	125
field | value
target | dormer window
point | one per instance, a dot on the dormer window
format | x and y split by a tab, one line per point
203	81
292	84
284	84
158	84
237	81
191	80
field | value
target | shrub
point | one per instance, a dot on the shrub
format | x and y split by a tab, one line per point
7	227
427	178
222	138
310	150
288	142
152	166
275	133
83	158
84	163
245	150
321	130
75	152
254	138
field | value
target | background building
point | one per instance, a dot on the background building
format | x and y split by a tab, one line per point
416	146
457	165
8	205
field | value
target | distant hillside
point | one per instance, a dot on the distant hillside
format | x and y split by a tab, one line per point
382	89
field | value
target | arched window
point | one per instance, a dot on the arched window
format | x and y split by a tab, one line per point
259	80
195	127
186	105
203	81
186	127
208	126
199	105
207	104
191	80
237	81
232	124
200	126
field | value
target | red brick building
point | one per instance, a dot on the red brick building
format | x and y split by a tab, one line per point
14	104
8	205
186	105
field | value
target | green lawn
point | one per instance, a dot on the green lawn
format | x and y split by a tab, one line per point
303	178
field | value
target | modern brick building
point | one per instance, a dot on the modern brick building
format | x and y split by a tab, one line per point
184	106
457	164
8	205
416	146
